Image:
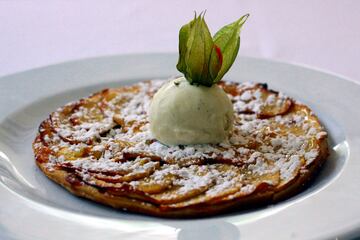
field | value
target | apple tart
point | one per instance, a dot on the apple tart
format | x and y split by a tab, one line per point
101	148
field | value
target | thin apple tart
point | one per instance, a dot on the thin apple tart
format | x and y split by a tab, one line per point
101	148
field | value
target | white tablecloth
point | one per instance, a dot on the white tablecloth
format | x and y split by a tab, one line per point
323	34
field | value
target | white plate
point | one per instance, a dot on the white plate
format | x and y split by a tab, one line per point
33	207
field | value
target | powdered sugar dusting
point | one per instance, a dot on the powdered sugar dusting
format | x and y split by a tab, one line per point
107	138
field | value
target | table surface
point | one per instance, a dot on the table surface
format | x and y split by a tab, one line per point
322	34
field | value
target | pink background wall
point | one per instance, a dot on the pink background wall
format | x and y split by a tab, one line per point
323	34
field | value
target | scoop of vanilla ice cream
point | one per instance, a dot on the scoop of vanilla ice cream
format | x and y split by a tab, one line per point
181	113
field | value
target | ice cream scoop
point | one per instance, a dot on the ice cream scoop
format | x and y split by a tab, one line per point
181	113
193	109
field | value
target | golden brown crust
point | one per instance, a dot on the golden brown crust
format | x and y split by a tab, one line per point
133	199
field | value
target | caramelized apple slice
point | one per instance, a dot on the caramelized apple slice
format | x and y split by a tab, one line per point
81	121
257	99
188	183
146	170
